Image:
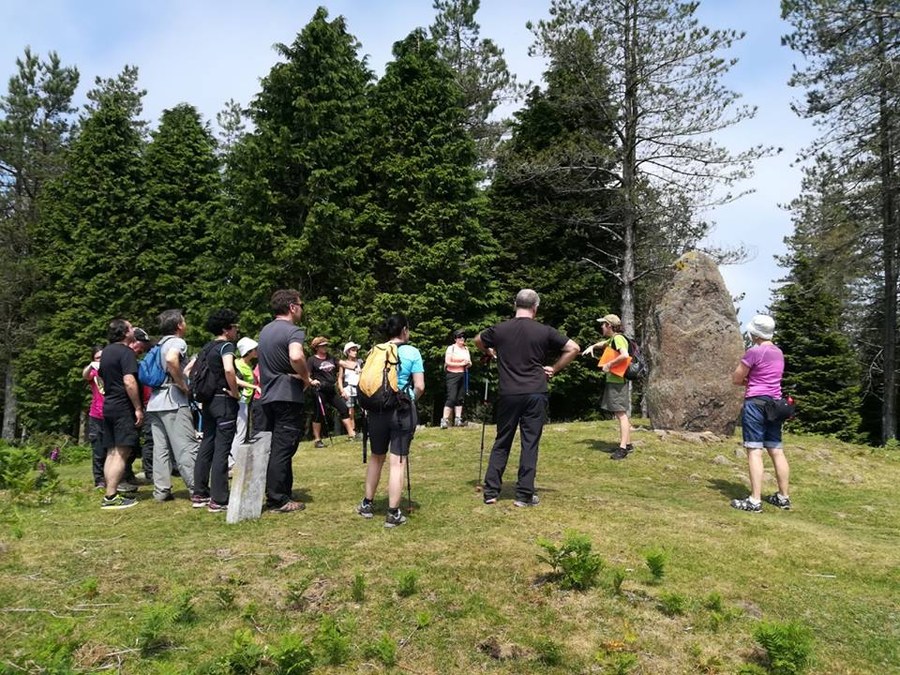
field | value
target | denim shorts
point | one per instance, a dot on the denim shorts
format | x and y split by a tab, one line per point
759	432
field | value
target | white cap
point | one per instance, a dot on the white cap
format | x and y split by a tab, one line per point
349	346
246	345
761	326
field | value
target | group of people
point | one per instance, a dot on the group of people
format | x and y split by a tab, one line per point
272	397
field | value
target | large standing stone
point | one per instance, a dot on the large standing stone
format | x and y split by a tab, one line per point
248	478
694	344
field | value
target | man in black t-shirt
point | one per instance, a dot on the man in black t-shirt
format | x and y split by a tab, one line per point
521	346
323	374
123	413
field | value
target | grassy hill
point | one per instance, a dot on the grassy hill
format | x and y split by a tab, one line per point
163	588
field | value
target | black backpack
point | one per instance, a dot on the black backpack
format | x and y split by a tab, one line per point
637	369
203	382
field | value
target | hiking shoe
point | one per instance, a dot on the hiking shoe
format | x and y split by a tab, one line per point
779	501
100	485
394	519
365	510
619	453
490	500
117	502
214	507
534	501
319	444
288	507
126	488
164	497
444	423
459	422
198	502
746	505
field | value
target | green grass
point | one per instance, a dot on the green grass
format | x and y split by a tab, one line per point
163	588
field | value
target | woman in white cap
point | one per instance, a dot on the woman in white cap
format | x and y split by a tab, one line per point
243	366
348	381
760	371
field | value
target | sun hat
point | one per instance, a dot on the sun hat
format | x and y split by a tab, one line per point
459	333
318	342
246	345
761	326
611	319
350	345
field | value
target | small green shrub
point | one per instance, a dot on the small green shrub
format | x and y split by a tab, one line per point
618	578
713	602
295	594
788	646
423	619
292	656
575	567
656	562
672	604
358	588
243	658
549	652
618	663
384	649
88	588
183	607
28	474
154	622
332	642
224	597
406	583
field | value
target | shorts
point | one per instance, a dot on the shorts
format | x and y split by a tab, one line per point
120	432
616	397
392	430
758	432
455	390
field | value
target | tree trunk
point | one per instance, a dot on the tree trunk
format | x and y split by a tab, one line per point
889	248
10	407
629	165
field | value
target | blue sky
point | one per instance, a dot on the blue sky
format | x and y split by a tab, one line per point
205	52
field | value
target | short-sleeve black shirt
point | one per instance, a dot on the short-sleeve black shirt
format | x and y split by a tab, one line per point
117	361
324	370
523	347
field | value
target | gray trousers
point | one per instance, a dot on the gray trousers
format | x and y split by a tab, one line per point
173	436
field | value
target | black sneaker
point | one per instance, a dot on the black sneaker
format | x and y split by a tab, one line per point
746	505
619	453
779	501
198	502
534	501
117	502
365	510
214	507
394	519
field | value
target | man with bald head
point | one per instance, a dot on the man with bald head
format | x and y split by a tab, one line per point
521	347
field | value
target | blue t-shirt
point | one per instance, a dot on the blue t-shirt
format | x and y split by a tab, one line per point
410	362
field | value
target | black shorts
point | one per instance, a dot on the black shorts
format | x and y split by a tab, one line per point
328	397
392	430
120	432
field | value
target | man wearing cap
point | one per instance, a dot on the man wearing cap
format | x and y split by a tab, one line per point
283	376
323	373
521	346
243	366
616	393
169	412
348	380
760	371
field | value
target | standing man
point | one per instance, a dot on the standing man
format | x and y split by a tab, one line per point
283	376
169	411
122	411
521	346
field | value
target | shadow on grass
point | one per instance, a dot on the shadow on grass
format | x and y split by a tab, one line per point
600	446
729	488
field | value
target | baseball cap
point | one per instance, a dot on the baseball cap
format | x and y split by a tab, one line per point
141	335
350	345
761	326
318	342
246	345
611	319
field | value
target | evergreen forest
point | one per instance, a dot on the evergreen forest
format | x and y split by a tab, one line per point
411	193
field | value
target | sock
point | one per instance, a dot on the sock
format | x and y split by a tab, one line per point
782	496
394	512
108	497
754	501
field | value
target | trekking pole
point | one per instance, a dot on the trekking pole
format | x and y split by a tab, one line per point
324	423
409	508
484	401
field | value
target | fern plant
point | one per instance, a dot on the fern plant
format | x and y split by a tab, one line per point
574	565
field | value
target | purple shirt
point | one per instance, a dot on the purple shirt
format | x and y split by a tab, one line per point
766	364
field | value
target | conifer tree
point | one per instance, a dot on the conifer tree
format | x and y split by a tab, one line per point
89	241
34	131
433	257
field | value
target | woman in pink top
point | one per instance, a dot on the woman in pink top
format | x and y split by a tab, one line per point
456	361
760	371
90	373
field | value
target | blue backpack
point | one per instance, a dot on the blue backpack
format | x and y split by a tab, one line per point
152	370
